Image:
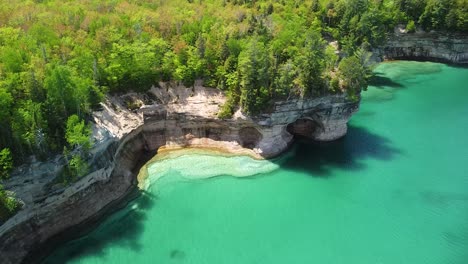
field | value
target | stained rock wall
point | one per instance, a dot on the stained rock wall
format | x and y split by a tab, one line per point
59	214
433	46
179	117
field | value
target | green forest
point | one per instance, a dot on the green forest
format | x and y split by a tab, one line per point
58	59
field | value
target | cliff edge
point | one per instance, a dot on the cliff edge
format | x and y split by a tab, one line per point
125	140
172	117
432	46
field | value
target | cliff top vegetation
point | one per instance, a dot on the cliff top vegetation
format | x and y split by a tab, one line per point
58	59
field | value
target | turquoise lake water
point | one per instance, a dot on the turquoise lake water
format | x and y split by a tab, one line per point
394	190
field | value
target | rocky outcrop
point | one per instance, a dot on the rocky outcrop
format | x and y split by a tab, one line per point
428	46
125	140
177	117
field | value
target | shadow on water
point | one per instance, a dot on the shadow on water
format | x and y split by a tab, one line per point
122	229
379	80
125	227
348	153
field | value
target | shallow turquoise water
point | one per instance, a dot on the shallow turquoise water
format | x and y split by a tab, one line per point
394	190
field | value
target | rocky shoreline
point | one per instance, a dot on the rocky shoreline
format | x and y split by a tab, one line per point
177	117
184	117
425	46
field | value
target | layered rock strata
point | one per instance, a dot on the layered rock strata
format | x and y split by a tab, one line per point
182	117
178	117
432	46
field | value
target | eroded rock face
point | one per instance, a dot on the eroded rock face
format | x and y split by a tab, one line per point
330	115
180	117
304	127
249	137
126	140
435	46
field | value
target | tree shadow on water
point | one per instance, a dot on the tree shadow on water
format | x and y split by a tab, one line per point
378	80
122	229
347	153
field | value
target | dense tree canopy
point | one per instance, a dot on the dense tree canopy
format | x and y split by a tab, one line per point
59	58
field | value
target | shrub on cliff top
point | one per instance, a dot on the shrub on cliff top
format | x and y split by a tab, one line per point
6	163
410	27
8	205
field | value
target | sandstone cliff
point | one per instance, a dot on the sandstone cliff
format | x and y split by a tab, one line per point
432	46
177	117
125	140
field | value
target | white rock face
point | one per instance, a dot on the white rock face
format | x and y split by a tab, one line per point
115	120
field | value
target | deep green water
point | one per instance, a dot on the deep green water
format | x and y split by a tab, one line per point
394	190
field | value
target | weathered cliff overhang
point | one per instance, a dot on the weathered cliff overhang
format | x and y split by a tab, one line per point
63	214
426	46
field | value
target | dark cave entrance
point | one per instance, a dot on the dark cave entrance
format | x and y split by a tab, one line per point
303	128
249	137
